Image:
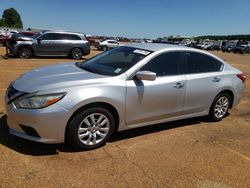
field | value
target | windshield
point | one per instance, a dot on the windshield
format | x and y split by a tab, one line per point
114	62
36	35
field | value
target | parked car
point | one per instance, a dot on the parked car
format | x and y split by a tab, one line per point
25	33
90	39
107	44
50	43
204	46
3	39
227	49
214	47
85	103
17	35
6	35
242	49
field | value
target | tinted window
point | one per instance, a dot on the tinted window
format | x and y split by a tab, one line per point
165	64
199	63
51	36
74	37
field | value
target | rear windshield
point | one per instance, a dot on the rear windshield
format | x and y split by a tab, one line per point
114	62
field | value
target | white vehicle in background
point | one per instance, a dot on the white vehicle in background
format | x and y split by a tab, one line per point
107	44
7	32
206	45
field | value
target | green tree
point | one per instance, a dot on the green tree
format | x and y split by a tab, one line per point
11	18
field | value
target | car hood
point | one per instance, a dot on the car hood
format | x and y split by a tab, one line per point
55	77
21	38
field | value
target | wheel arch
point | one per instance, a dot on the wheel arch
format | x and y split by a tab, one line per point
105	105
230	93
72	48
25	46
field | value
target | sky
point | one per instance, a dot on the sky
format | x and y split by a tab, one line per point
136	18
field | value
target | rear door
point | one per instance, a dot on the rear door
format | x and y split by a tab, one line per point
203	80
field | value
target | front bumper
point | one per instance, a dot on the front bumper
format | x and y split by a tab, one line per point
50	123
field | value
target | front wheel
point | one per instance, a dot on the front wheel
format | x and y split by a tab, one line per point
91	128
220	107
105	48
24	53
76	53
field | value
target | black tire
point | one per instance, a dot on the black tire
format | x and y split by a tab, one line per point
24	52
214	114
80	120
76	53
105	48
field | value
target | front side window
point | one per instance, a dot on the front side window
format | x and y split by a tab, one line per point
51	36
165	64
200	63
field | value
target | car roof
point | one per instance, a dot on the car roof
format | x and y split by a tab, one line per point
63	32
156	46
159	46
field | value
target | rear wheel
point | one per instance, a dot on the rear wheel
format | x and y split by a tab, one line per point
76	53
91	128
220	107
105	48
25	52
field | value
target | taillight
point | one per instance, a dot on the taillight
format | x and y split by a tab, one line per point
242	76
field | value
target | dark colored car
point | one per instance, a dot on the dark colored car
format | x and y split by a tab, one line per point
50	43
3	39
227	49
242	49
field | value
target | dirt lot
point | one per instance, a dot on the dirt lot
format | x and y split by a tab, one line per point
190	153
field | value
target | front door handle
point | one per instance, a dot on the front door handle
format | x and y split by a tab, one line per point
216	79
179	85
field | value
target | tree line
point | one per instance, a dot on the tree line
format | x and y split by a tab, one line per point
11	18
224	37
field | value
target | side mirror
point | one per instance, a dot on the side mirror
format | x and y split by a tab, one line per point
145	75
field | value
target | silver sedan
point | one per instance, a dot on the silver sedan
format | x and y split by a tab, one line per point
127	87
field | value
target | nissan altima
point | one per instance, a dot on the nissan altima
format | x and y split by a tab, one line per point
85	103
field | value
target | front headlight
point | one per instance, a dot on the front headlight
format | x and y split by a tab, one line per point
33	101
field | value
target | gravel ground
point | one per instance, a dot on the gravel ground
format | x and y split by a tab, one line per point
188	153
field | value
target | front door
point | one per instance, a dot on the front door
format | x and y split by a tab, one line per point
49	44
150	101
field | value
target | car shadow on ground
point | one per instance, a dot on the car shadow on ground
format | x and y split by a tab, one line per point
37	149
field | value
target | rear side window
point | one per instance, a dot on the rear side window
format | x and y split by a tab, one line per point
60	36
199	63
165	64
73	37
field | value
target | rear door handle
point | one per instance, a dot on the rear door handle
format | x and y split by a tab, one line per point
179	85
216	79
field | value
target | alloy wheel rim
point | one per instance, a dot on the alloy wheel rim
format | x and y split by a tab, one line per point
77	53
221	107
25	53
93	129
